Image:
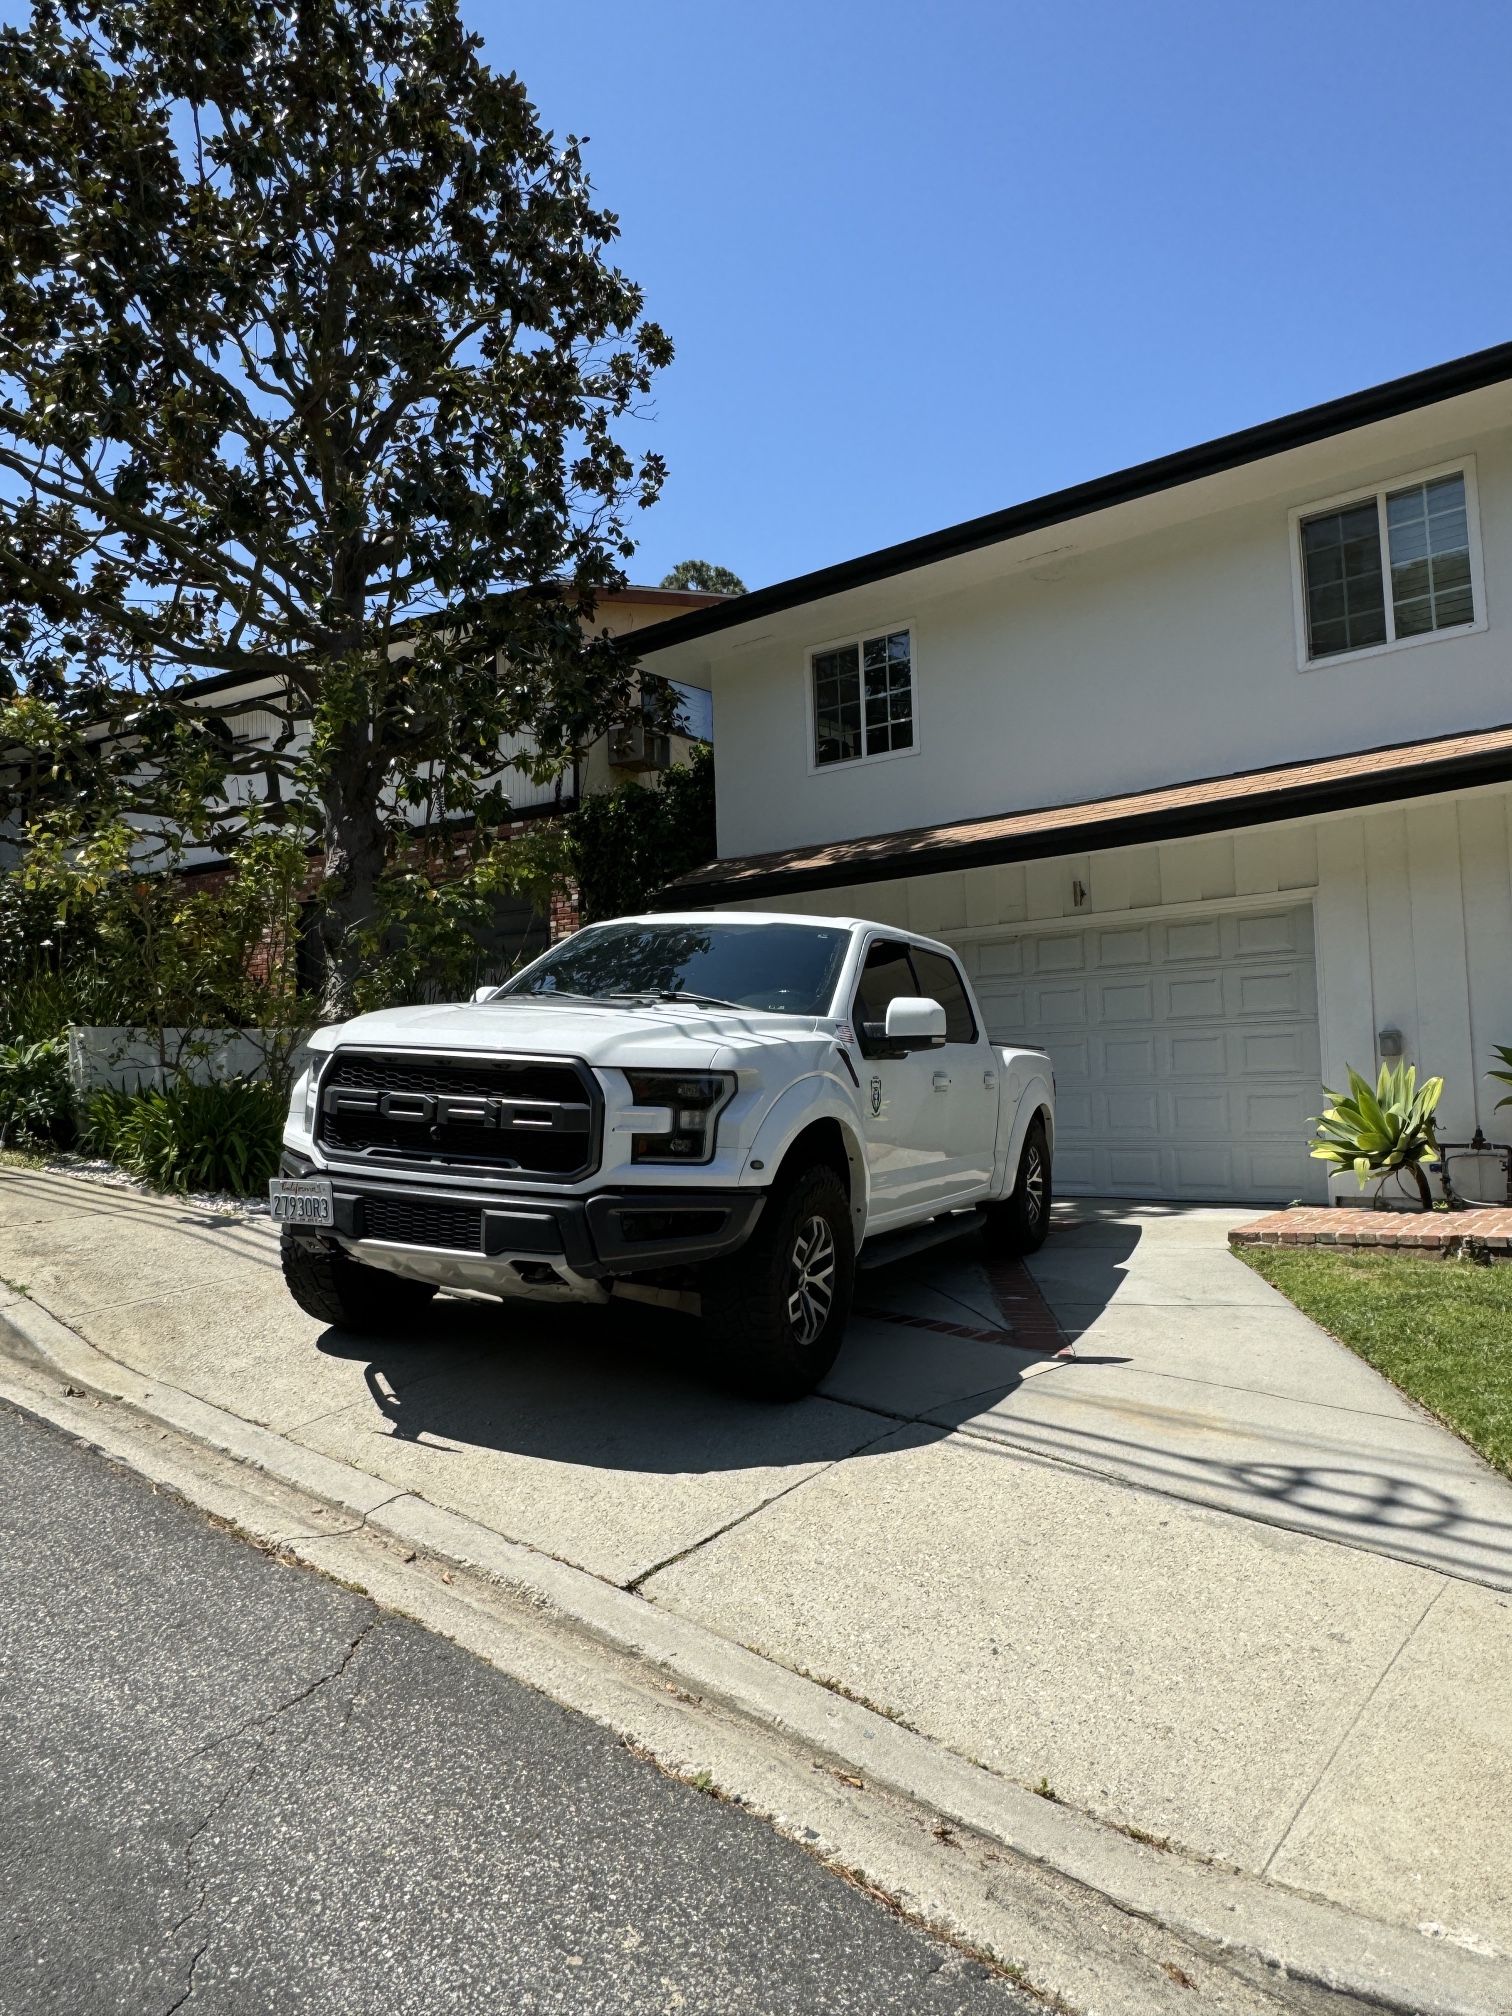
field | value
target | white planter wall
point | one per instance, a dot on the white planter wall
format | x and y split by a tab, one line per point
127	1059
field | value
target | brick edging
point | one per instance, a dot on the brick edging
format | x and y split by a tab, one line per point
1438	1234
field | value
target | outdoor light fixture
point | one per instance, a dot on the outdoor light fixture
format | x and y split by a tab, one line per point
1389	1042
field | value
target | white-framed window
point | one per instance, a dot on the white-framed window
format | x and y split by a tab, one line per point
861	697
1382	568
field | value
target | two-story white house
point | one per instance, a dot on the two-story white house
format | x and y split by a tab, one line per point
1205	767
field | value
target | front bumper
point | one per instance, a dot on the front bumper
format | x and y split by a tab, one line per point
605	1234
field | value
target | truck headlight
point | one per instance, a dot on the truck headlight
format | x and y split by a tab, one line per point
690	1102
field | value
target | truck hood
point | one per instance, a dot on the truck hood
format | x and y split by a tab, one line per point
615	1034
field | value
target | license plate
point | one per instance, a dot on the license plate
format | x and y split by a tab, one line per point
301	1200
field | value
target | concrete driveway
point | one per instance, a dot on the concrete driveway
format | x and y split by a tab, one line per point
1123	1527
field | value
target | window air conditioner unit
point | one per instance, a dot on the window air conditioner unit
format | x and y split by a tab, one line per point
634	746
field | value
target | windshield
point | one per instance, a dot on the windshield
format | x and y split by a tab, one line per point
784	969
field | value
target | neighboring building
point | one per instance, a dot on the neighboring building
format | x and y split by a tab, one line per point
519	931
1205	767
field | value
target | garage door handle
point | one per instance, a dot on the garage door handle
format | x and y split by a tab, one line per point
941	1082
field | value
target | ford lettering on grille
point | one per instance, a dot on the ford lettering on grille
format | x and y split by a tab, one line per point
525	1116
440	1109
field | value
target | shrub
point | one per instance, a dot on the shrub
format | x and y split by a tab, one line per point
36	1103
222	1136
624	845
1381	1132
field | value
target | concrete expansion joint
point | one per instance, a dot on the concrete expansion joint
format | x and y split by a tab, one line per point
1354	1722
637	1583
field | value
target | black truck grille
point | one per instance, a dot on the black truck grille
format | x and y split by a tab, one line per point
458	1228
525	1116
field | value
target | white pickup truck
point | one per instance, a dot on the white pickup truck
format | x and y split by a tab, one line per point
711	1110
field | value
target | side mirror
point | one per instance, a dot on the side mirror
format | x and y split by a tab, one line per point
484	993
914	1023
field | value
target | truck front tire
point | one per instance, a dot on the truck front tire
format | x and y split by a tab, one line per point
334	1288
1018	1225
777	1308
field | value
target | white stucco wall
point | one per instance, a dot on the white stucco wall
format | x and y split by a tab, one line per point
1094	669
1413	912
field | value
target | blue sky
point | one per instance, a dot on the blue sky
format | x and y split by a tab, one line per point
920	261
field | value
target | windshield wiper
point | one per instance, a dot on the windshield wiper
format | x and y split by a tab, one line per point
680	995
545	994
701	1000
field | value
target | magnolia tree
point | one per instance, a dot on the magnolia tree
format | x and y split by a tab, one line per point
314	376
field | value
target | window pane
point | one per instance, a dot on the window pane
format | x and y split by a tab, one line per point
892	685
1341	573
1429	534
886	976
837	705
939	980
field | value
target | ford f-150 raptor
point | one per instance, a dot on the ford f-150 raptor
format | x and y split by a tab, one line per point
711	1110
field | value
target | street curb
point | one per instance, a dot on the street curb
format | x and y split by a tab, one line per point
1274	1936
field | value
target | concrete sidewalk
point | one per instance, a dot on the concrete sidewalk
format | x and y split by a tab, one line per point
1211	1581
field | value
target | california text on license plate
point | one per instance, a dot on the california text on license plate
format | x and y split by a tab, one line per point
301	1200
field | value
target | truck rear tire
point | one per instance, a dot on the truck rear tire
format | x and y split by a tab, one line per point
1018	1225
778	1307
334	1288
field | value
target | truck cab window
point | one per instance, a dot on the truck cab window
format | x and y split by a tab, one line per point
886	976
941	981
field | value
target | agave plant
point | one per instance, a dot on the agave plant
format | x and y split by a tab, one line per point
1379	1132
1503	1077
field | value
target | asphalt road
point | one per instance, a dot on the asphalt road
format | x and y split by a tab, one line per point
229	1784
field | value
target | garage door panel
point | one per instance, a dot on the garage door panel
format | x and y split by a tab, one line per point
1204	1171
1193	997
1124	948
1125	1001
1199	1113
1200	939
1053	1007
1185	1050
1134	1169
1271	990
1196	1053
1000	959
1134	1111
1282	931
1125	1056
1075	1167
1059	955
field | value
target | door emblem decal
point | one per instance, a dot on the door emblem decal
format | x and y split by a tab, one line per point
876	1092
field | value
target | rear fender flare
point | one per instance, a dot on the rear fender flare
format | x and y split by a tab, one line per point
1037	1097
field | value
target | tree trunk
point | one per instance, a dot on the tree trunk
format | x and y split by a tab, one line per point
354	859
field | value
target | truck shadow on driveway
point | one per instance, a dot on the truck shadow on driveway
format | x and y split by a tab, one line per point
638	1389
1235	1407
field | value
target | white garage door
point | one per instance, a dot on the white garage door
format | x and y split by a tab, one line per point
1185	1051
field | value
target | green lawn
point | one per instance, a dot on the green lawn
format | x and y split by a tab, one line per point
1439	1329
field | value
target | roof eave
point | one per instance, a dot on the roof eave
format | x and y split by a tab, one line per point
1474	373
940	856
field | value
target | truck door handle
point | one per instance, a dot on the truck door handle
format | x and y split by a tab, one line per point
989	1079
941	1082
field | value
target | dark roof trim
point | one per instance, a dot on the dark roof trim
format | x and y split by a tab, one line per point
1144	479
693	600
935	856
